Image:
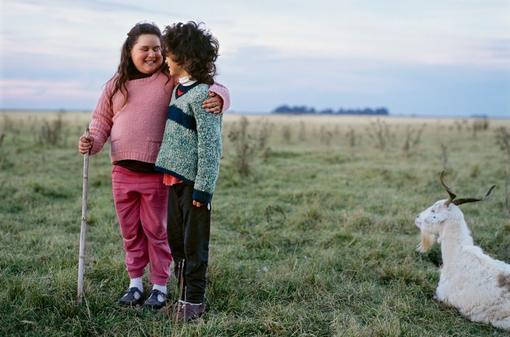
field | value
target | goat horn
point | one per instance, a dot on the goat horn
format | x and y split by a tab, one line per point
450	193
466	200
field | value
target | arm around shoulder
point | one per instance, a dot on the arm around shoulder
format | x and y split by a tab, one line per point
223	92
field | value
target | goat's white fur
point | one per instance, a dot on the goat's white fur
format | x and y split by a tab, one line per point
473	282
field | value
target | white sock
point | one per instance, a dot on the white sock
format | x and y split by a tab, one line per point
136	283
159	287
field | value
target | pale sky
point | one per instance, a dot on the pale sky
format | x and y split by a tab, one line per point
412	57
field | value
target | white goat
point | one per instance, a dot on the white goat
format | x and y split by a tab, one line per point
476	284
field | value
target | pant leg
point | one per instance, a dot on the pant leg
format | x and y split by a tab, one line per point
197	224
127	207
153	214
175	225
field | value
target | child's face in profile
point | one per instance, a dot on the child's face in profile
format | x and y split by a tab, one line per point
146	54
175	69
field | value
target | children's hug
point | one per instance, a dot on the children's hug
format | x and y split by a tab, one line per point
162	112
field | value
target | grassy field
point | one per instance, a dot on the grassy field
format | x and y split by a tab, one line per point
313	228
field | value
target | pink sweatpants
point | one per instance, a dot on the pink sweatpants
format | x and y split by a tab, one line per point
141	205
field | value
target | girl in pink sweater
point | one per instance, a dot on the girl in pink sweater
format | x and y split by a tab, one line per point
132	113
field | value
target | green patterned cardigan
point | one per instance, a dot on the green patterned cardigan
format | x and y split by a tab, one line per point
191	147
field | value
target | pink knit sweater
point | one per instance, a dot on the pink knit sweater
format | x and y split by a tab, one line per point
136	128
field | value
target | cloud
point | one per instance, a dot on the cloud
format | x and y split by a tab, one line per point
99	6
499	49
398	31
46	93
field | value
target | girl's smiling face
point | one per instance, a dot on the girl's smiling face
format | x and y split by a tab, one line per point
146	54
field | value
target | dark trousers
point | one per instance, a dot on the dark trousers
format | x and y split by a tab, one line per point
188	235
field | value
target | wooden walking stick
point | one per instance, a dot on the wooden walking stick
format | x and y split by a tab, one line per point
83	227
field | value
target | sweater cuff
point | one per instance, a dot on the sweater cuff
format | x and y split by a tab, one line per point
99	141
223	92
202	196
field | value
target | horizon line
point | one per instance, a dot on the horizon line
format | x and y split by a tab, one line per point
254	113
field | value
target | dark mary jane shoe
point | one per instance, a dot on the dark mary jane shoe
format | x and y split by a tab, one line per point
132	297
156	300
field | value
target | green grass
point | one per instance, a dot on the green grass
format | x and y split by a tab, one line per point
318	241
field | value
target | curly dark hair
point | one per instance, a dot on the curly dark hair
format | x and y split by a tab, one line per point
126	70
193	48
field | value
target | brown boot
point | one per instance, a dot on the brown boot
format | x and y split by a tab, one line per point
187	312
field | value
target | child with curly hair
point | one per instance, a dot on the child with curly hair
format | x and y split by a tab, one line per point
190	158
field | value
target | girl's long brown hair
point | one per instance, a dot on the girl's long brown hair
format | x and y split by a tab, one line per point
127	70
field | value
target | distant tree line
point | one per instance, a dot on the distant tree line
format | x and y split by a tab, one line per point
300	110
